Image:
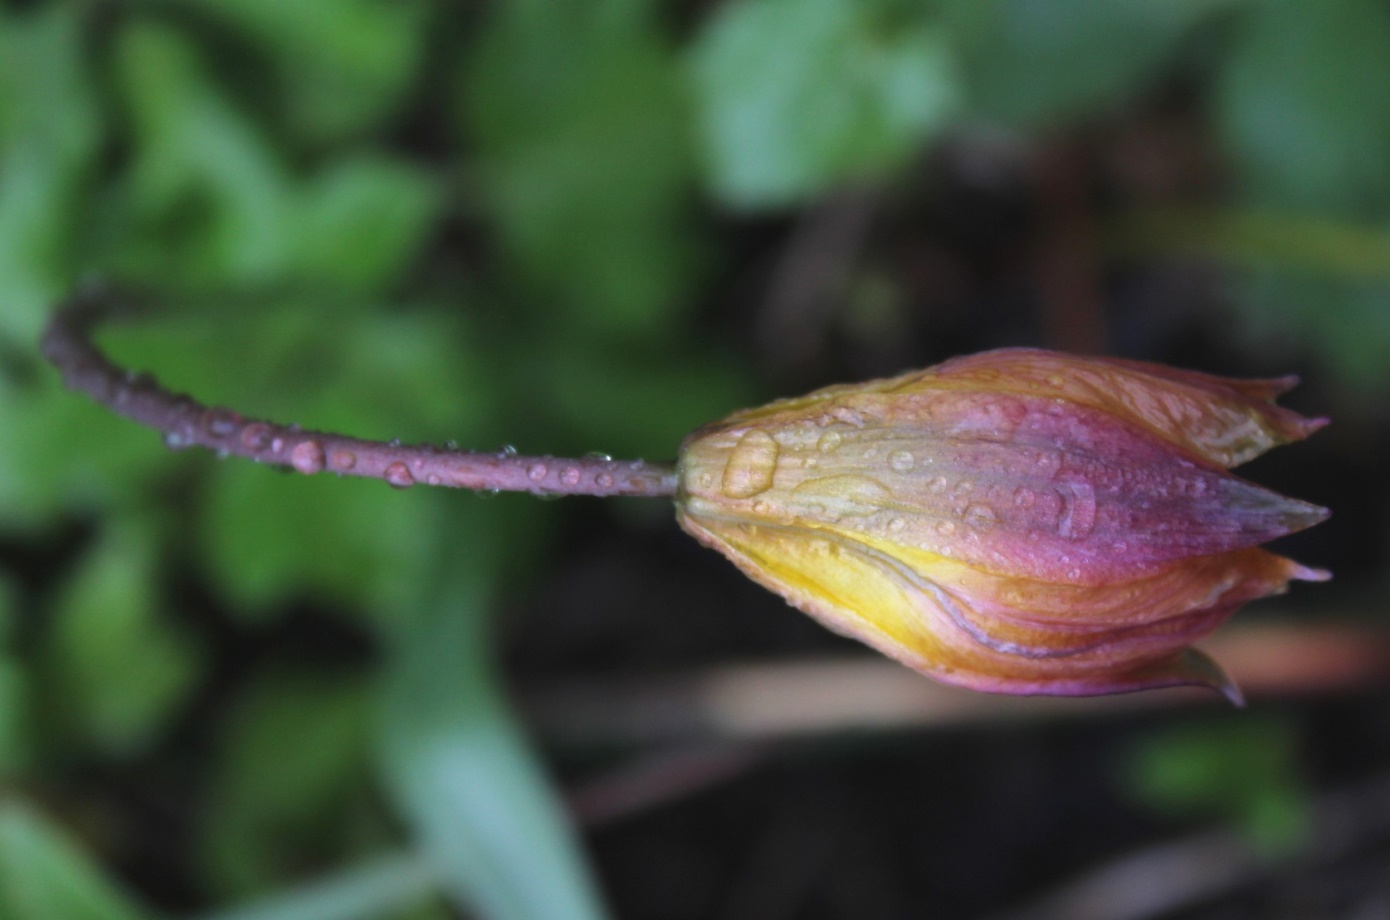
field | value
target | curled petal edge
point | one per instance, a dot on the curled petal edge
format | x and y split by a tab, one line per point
853	590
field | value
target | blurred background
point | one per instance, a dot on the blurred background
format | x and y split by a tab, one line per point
592	225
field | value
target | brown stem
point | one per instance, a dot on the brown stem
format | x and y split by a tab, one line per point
67	344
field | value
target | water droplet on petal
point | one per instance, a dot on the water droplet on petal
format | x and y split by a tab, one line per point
981	517
433	479
605	481
599	455
277	445
307	457
508	451
536	472
946	528
938	485
761	507
1025	497
570	476
751	465
901	461
1079	512
896	524
398	475
344	460
829	442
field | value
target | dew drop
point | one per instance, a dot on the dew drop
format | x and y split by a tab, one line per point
451	445
600	455
706	480
946	528
1079	513
1055	380
277	445
508	451
897	524
605	481
901	461
829	442
536	472
177	440
1073	574
344	460
1049	463
394	442
964	487
570	476
751	466
433	479
220	423
256	437
938	485
1025	497
761	507
981	517
398	476
307	457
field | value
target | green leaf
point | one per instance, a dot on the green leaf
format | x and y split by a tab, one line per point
799	95
1246	773
271	536
296	755
119	667
49	134
583	158
43	874
14	695
1032	62
363	221
60	451
206	196
1294	107
342	66
367	891
462	775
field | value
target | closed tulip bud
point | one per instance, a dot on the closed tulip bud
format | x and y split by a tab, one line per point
1018	521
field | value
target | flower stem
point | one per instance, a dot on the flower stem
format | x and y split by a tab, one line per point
185	422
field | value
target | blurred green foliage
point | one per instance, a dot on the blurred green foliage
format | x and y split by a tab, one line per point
293	180
1243	773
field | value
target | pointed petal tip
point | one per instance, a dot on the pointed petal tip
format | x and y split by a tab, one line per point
1197	668
1304	573
1307	426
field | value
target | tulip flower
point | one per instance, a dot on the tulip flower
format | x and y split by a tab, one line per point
1019	521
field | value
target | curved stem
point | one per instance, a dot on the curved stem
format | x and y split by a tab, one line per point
68	346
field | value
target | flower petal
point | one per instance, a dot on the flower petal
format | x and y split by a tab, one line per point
929	619
1023	484
1222	420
